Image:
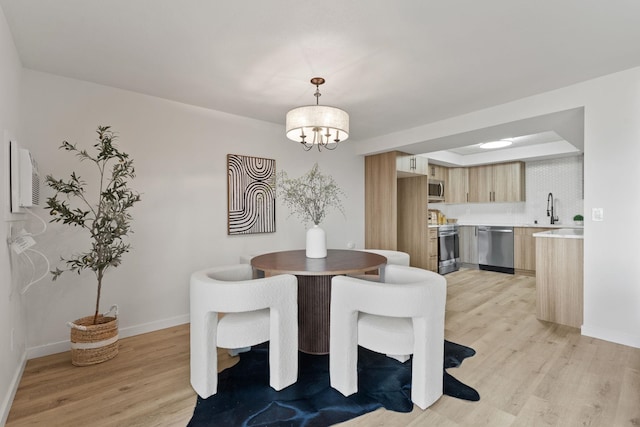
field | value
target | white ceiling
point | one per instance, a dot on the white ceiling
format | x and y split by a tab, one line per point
391	65
517	142
538	146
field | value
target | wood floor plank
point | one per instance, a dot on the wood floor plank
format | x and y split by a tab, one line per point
528	373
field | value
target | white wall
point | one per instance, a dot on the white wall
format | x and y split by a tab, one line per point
11	313
611	181
180	225
561	176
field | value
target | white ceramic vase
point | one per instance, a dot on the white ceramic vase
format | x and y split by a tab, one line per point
316	242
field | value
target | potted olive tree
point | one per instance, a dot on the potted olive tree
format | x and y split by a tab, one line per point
106	219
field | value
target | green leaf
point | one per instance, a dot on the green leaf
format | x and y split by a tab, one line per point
106	218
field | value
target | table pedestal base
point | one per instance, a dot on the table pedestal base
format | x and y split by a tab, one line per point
314	300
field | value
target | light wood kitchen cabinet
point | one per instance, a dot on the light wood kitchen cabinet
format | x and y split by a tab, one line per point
524	249
559	280
395	209
502	182
433	249
412	219
481	184
457	189
468	235
438	172
381	202
509	182
408	165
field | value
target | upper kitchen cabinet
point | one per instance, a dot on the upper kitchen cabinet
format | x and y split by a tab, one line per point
457	190
439	173
411	165
502	182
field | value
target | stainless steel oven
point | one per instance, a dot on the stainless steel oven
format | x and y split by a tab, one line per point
448	249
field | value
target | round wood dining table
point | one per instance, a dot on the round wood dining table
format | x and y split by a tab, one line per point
314	286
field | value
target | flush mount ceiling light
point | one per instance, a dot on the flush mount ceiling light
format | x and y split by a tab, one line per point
496	144
317	125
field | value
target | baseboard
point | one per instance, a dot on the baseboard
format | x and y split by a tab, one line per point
153	326
530	273
611	336
11	392
62	346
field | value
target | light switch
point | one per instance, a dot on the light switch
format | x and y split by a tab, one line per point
597	214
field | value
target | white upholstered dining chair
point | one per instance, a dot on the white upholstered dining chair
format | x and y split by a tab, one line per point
403	315
393	258
255	311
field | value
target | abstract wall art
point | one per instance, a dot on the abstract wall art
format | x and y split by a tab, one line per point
251	194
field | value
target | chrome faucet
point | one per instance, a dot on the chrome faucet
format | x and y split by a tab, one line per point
550	208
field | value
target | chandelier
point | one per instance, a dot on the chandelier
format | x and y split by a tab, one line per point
317	125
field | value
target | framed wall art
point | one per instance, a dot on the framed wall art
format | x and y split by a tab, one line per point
251	195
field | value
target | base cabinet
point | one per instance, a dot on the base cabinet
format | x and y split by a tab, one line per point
559	280
468	245
524	249
433	249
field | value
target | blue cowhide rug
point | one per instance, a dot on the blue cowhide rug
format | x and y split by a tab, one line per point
244	397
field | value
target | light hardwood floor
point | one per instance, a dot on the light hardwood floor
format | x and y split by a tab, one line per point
528	373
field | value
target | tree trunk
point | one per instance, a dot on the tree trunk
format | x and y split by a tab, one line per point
95	316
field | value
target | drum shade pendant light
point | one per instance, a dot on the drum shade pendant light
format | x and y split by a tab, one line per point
317	125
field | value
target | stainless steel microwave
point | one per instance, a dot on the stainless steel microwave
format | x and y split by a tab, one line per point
436	190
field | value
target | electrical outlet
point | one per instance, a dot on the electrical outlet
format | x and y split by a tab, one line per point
597	214
22	243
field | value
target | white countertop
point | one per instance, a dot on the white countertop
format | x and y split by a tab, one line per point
562	233
530	225
501	224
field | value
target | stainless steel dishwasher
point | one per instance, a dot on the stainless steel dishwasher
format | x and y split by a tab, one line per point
495	248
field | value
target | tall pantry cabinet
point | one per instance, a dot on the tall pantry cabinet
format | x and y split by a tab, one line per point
396	207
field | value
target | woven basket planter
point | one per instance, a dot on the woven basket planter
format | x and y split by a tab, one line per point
92	344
